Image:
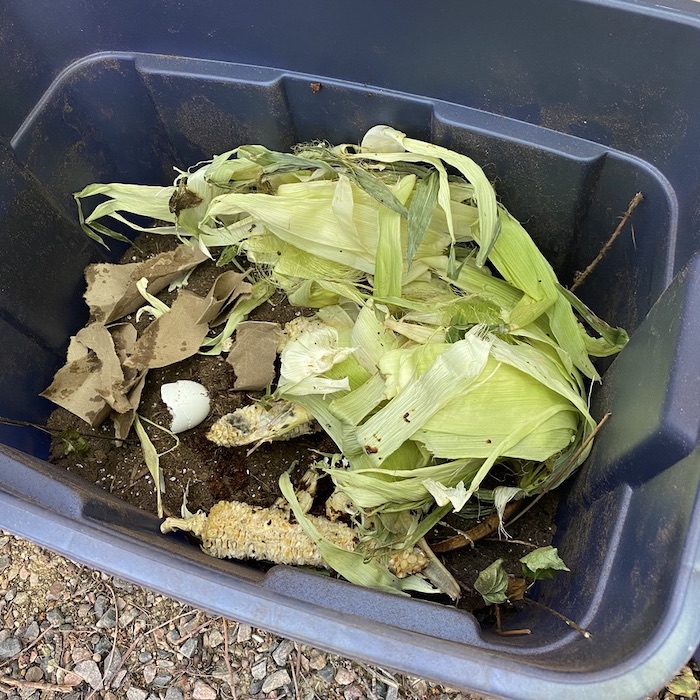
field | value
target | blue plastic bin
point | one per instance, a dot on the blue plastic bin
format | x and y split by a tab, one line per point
572	106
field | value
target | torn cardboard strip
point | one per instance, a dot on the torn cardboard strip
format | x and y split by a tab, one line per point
253	354
111	288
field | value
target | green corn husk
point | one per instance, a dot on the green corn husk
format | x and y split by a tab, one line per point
443	347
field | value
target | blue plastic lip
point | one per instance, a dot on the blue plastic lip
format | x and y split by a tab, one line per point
448	113
488	671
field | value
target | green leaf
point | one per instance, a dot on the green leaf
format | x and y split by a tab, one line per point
684	684
492	583
420	212
151	457
542	563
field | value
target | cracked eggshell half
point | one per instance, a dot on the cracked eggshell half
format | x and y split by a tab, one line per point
188	403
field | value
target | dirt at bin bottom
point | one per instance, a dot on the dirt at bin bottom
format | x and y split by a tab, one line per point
211	473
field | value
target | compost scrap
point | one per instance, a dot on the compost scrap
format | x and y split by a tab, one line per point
382	343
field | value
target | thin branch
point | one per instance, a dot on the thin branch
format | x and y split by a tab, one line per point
35	685
580	277
227	661
485	528
583	632
58	433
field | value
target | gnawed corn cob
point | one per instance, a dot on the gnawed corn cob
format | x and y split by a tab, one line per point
235	530
255	424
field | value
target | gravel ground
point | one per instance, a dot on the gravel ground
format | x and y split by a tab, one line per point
69	632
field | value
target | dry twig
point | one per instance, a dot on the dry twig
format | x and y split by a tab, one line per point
227	661
485	528
580	277
35	685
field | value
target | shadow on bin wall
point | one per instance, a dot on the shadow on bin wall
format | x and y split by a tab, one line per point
571	107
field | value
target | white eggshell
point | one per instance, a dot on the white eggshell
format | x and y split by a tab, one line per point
188	403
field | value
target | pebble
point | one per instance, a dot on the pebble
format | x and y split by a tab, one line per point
162	679
259	670
149	673
136	694
108	620
244	633
10	647
174	693
100	605
215	638
34	674
4	563
327	673
281	654
344	677
127	617
276	680
90	673
145	657
189	647
317	661
202	691
32	631
55	617
256	687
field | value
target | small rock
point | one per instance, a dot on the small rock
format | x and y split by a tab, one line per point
145	657
80	654
90	673
55	617
276	680
122	585
136	694
112	662
202	691
353	692
392	692
108	619
281	655
259	670
109	695
34	674
119	679
327	673
172	636
317	661
100	605
244	633
162	679
10	647
55	592
256	687
4	563
344	676
102	645
149	673
189	647
215	638
174	693
127	617
71	679
32	632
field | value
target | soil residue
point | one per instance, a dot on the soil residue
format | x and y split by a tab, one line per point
210	473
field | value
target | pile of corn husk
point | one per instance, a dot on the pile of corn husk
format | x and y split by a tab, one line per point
442	346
